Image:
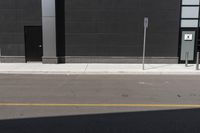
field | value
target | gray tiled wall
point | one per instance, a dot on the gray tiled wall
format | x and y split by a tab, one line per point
96	27
115	27
14	15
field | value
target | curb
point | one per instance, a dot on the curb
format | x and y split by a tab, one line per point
99	73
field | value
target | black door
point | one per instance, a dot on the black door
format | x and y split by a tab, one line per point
33	43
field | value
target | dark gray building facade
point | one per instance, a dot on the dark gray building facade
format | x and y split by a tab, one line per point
65	31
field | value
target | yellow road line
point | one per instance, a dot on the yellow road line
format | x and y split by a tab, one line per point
99	105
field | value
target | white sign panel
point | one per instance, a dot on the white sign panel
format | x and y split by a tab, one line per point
146	22
188	37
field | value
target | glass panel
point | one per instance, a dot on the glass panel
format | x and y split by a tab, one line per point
190	2
189	23
190	12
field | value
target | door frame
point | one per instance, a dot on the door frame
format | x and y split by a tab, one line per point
25	41
180	43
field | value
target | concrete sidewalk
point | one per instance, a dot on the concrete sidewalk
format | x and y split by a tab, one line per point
83	68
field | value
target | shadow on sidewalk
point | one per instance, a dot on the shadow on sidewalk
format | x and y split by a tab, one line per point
165	66
150	67
169	121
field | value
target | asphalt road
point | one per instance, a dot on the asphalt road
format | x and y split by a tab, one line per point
42	95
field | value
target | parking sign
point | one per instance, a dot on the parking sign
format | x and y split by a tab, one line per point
146	22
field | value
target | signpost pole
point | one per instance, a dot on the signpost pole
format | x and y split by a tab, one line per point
0	56
197	61
186	59
144	43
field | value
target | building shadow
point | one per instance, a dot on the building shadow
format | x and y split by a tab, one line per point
168	121
60	30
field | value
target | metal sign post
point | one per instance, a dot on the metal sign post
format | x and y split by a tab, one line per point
0	56
186	59
197	61
146	23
